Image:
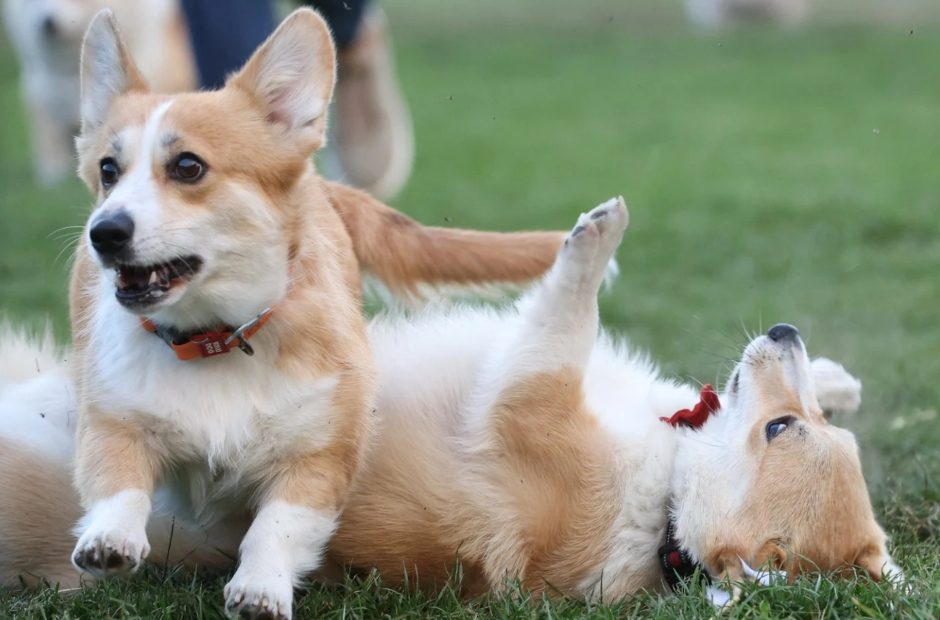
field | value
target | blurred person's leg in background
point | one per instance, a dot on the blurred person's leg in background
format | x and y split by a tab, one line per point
224	34
372	136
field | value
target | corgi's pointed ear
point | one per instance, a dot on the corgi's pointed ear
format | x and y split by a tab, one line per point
107	70
290	77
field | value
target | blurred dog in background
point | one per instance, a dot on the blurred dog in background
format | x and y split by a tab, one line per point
717	13
47	36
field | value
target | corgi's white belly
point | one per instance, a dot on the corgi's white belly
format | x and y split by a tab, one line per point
429	367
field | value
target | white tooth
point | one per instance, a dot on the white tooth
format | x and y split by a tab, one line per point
120	280
153	278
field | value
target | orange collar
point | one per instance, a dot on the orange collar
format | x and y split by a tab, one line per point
210	343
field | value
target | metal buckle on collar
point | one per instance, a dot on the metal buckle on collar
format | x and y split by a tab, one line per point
241	337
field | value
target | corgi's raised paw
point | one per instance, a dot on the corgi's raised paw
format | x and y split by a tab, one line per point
601	228
591	244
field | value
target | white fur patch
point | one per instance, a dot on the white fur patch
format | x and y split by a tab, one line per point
137	191
718	597
37	399
285	542
40	415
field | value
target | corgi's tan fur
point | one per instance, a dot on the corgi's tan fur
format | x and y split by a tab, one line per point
518	444
397	250
214	196
541	456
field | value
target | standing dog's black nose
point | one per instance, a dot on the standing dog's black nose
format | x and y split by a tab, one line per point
110	235
783	331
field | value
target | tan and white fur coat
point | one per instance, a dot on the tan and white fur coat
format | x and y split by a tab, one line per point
522	445
213	195
526	447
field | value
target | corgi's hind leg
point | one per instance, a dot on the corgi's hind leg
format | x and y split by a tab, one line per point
531	431
560	315
558	319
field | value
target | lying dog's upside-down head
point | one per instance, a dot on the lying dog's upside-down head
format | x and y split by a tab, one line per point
193	218
769	482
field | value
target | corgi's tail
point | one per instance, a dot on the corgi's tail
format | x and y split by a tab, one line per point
418	263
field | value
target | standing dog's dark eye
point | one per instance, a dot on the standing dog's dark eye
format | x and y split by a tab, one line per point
775	427
187	167
110	172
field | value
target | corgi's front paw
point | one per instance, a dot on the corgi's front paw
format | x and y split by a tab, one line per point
113	535
255	594
109	551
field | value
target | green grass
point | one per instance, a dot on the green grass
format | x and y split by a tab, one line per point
771	176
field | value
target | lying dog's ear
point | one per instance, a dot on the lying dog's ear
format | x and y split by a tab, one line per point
725	565
107	70
290	77
874	559
727	569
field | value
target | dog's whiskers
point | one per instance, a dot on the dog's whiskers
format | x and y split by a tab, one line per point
68	246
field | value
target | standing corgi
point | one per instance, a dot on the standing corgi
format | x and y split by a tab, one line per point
220	350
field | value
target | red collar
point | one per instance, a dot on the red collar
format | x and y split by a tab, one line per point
695	417
210	343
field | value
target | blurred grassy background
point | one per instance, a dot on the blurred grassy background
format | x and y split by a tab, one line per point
772	176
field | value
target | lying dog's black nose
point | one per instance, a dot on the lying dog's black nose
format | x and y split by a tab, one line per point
111	234
782	332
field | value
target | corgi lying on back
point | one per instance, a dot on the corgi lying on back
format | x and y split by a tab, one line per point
220	352
521	445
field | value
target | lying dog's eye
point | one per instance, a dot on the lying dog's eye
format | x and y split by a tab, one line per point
775	427
187	167
110	172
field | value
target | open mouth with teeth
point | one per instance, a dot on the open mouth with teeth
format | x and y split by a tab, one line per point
145	285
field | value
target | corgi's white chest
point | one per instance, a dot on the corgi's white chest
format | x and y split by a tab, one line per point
225	411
